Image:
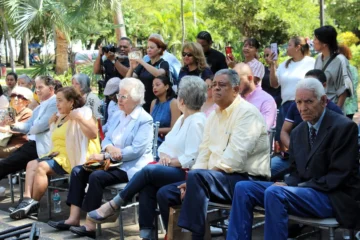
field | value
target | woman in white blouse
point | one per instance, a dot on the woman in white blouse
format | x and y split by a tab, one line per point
177	153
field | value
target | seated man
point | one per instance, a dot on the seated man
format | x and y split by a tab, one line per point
235	147
292	120
324	180
251	90
110	91
37	128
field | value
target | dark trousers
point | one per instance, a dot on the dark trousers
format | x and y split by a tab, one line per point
281	118
202	186
146	182
97	180
279	201
18	160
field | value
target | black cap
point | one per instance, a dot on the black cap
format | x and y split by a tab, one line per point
204	35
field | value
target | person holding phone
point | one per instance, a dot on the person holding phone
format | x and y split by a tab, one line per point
73	127
147	71
20	98
288	74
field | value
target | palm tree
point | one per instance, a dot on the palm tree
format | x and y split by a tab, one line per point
7	37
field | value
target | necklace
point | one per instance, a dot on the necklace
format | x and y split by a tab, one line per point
61	122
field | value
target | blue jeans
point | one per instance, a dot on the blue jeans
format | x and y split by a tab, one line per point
146	182
202	186
278	164
279	201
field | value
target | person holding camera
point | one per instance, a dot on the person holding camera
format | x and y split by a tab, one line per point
116	63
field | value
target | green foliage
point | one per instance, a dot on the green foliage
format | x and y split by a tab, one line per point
65	78
348	38
44	67
355	61
345	13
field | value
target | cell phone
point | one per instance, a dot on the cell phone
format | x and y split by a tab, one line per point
135	55
274	49
11	113
228	51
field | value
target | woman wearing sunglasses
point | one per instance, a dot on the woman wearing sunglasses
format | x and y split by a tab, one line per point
194	62
20	98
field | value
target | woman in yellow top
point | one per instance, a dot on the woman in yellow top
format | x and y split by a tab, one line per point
74	138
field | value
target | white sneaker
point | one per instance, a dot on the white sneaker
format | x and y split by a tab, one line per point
2	191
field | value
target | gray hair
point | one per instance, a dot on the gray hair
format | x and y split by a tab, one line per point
232	75
157	36
27	79
193	91
135	88
84	82
312	84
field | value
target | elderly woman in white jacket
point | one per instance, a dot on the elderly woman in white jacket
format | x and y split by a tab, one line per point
129	141
177	154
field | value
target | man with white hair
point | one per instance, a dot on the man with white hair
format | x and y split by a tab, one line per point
174	63
324	178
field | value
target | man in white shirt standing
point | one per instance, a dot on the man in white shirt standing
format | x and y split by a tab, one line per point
235	147
37	128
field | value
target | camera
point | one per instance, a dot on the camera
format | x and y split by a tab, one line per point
110	48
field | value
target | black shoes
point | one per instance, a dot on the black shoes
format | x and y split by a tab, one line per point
61	225
25	208
81	231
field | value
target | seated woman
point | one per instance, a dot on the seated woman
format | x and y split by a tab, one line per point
147	71
177	153
209	106
194	62
164	108
20	98
81	82
25	81
72	128
129	140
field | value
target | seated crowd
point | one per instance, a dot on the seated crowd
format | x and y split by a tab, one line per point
213	139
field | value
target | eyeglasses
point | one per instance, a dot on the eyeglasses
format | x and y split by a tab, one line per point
19	96
122	97
219	84
184	54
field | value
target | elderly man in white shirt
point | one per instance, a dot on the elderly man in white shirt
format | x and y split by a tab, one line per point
177	152
235	147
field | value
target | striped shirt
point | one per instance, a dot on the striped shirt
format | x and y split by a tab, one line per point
257	68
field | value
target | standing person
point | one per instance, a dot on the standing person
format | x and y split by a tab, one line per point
351	103
335	66
174	63
147	71
229	153
194	62
73	139
164	108
177	153
81	82
324	181
265	83
215	59
11	81
288	74
37	129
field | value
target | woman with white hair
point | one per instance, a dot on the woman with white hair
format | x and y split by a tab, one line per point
129	141
20	98
177	154
25	81
81	82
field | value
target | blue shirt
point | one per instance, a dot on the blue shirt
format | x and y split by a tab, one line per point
293	114
317	124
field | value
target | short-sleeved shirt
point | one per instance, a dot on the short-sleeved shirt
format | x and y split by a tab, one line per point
257	68
293	115
111	71
215	60
205	74
337	73
147	79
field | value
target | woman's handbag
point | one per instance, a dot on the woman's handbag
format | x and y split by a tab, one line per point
94	165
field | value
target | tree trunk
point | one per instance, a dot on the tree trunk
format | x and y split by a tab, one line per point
61	52
119	20
21	52
194	11
6	31
182	24
25	48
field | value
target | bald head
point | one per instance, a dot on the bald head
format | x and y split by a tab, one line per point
243	69
247	84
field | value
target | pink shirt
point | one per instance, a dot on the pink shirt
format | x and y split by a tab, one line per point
257	68
265	103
